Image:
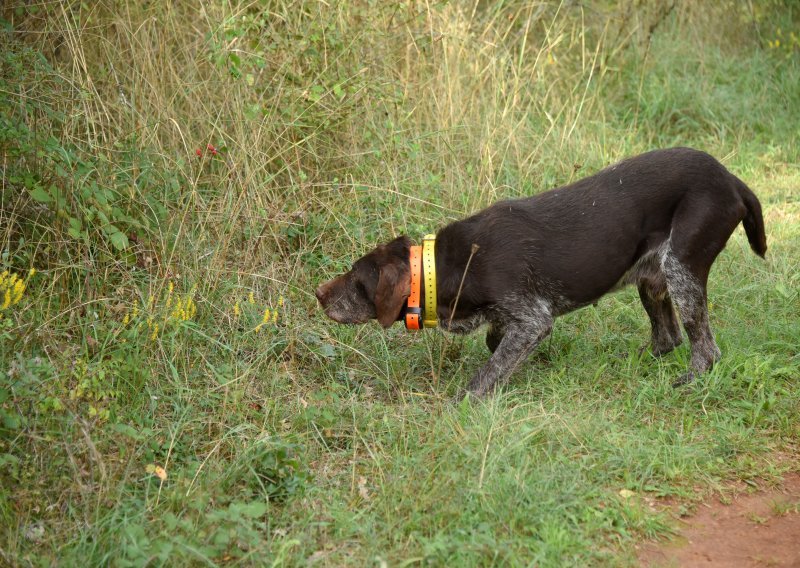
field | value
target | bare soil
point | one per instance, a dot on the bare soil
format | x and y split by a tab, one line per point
760	529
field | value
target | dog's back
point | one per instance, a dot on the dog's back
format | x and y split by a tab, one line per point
582	238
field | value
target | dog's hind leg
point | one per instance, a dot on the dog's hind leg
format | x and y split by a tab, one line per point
666	332
689	292
701	226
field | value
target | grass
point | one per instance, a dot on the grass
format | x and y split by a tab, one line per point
171	328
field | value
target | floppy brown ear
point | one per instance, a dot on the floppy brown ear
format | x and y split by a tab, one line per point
394	286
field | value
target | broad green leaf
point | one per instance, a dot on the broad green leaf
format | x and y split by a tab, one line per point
119	240
40	194
253	510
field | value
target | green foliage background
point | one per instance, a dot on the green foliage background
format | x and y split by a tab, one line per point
230	155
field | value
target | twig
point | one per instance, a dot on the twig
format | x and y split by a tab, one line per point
475	247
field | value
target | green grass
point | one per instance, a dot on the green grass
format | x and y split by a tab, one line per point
296	441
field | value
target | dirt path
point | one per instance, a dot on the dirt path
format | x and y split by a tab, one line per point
756	530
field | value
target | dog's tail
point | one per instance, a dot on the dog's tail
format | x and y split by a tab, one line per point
753	220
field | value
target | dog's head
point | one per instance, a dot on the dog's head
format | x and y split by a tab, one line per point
376	286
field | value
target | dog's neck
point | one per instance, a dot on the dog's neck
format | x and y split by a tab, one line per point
419	310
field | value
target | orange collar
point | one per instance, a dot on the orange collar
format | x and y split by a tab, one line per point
413	315
420	311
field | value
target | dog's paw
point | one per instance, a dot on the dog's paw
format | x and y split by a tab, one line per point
468	397
658	350
684	379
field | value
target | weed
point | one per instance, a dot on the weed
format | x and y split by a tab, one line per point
780	508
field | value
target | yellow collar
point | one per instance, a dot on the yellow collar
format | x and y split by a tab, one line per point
429	270
420	312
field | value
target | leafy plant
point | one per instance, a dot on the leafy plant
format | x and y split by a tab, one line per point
88	197
271	467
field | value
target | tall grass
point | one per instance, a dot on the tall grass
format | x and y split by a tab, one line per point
182	174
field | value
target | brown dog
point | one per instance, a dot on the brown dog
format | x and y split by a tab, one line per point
657	220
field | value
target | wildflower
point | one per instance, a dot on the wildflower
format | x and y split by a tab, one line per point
157	470
191	307
280	301
12	287
265	319
236	309
274	316
155	332
250	298
126	320
177	311
19	288
184	310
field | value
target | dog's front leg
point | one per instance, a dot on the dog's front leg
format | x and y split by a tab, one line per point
520	339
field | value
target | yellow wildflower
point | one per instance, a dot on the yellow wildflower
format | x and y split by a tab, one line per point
265	319
280	301
236	310
155	333
19	288
274	316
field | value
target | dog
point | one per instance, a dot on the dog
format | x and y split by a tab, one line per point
657	220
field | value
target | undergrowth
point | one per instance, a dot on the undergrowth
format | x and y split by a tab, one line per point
175	179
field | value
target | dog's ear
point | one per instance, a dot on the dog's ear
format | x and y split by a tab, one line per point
394	282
